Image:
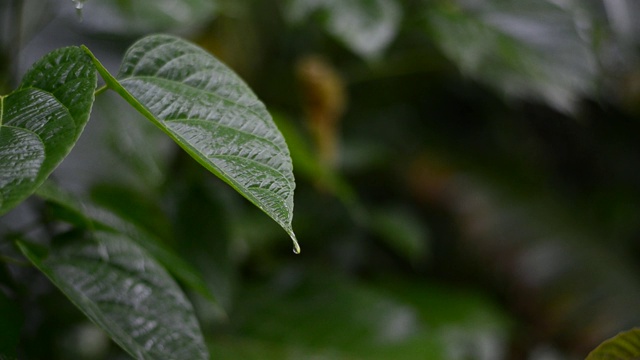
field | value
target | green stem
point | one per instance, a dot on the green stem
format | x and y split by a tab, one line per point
10	260
100	90
114	85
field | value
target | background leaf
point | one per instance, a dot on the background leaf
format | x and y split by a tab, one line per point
88	216
624	346
538	49
214	116
136	17
127	293
42	120
323	315
366	27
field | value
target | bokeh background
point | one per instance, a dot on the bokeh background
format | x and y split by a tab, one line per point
467	176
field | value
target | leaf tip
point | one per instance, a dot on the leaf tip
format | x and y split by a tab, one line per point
296	246
86	50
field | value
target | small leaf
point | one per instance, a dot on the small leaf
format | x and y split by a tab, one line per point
213	115
127	293
624	346
366	27
42	120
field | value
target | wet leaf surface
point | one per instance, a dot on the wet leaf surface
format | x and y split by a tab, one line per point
214	116
42	120
126	292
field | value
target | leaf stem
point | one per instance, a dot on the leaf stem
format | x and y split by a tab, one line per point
101	89
114	85
9	260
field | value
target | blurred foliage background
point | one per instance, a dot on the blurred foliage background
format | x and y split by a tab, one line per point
467	177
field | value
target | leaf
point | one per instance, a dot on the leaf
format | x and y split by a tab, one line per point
127	293
127	17
402	231
90	217
42	120
213	115
365	26
624	346
325	315
532	48
324	312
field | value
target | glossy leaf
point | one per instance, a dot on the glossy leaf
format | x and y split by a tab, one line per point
366	27
534	48
213	115
127	293
42	120
624	346
90	217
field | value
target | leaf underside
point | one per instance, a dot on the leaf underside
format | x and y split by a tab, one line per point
42	120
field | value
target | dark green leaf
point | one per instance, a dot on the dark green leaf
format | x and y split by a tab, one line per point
88	216
401	230
42	120
325	315
624	346
366	27
214	116
127	293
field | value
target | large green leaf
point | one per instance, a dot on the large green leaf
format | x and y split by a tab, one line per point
42	120
213	115
365	26
127	293
624	346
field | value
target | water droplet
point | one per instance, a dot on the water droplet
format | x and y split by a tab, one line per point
296	248
79	5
